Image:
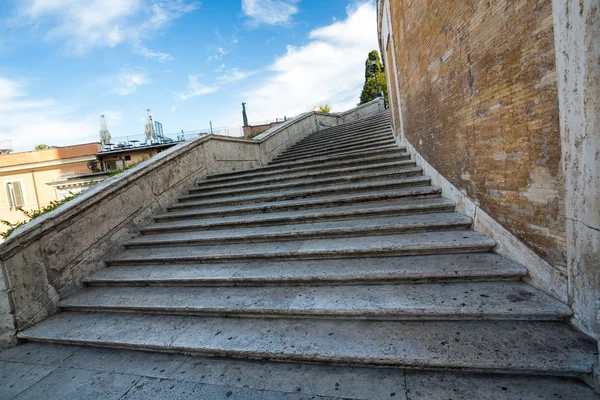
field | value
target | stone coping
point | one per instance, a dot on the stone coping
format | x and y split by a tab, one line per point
95	195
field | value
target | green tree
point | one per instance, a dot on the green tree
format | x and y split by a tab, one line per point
369	88
41	147
324	108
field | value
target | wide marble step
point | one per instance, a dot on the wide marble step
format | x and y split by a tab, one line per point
301	193
375	209
331	201
314	164
292	176
354	137
370	176
349	271
420	301
344	152
308	230
519	347
339	145
421	243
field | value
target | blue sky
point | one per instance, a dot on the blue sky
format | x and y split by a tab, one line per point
65	62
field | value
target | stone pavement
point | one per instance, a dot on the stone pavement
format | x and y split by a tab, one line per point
48	371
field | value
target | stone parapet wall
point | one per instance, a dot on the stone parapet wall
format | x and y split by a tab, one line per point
48	258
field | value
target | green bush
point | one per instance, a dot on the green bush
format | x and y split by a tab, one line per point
34	214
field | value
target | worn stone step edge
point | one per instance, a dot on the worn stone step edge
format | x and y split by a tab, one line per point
341	130
323	167
305	193
279	163
406	301
331	150
357	125
296	204
408	244
197	193
204	185
345	141
517	347
335	152
339	143
387	225
400	153
364	130
327	214
350	271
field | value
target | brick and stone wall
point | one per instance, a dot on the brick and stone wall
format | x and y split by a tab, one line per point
498	101
477	82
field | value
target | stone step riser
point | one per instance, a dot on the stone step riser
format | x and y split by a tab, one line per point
333	132
517	347
348	152
348	315
321	217
301	153
207	187
324	359
387	280
323	255
345	154
372	135
196	194
334	272
265	208
348	189
287	236
401	302
308	164
350	139
325	167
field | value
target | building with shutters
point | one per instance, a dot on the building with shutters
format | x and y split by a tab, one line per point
28	179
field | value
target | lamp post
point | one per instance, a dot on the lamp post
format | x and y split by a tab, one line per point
374	68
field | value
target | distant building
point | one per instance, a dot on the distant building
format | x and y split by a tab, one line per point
28	178
121	156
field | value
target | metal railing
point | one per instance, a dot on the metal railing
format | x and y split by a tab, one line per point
134	141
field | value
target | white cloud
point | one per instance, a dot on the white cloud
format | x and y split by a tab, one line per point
156	55
33	121
329	69
84	24
269	12
235	75
128	82
220	53
195	89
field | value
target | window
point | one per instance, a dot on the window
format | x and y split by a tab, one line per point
114	165
15	195
127	158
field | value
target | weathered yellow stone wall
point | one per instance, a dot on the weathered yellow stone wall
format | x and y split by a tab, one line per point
478	93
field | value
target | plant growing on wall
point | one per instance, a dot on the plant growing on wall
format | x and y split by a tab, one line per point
34	214
369	88
324	108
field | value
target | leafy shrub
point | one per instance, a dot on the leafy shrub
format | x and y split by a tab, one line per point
34	214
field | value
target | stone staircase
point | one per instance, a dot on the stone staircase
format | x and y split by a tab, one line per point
339	251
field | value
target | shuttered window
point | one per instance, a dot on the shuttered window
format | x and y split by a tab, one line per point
15	195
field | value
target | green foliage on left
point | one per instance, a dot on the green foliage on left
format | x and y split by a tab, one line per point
34	214
121	170
252	136
42	147
324	108
369	88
